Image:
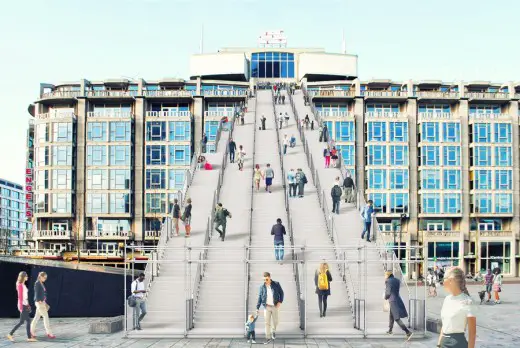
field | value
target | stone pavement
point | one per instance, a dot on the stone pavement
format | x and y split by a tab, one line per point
497	327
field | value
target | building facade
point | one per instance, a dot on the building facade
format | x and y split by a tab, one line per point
12	216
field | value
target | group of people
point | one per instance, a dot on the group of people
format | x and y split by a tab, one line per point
342	191
240	154
185	217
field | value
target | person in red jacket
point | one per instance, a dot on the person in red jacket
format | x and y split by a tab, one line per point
23	307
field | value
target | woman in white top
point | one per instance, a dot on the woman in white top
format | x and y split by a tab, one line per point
458	313
240	157
497	284
23	307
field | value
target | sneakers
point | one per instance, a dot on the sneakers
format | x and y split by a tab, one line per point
409	336
273	335
51	336
253	341
268	341
389	332
248	341
10	338
32	339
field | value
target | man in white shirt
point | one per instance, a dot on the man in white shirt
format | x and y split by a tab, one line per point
270	296
139	292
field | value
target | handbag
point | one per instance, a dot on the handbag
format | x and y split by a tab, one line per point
131	301
386	306
497	288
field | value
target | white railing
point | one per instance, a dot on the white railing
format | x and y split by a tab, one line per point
331	113
376	114
487	95
57	115
111	93
169	93
452	234
168	113
435	115
484	116
52	234
225	93
331	93
384	93
61	94
152	234
108	234
219	113
437	94
496	233
109	114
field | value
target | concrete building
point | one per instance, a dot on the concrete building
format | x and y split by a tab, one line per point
12	216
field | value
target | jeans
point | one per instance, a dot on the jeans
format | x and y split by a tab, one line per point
322	302
278	250
348	194
285	149
251	335
301	187
41	312
366	229
292	190
335	206
222	231
398	321
139	312
232	156
25	316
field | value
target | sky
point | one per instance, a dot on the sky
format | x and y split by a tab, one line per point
65	40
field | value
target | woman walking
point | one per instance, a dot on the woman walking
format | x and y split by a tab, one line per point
334	156
258	176
322	279
497	284
42	308
23	307
326	155
186	218
397	308
240	157
457	313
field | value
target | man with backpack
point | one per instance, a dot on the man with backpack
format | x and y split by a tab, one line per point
336	193
301	180
278	232
221	215
138	293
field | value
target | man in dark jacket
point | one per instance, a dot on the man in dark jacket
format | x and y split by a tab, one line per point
397	308
348	185
221	215
336	193
270	296
232	147
278	231
204	142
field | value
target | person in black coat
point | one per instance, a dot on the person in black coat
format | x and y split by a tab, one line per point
322	279
397	308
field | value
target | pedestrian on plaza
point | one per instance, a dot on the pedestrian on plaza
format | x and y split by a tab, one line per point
221	215
306	120
176	214
322	279
366	215
23	307
283	99
292	141
139	292
325	133
240	157
270	296
291	180
186	218
268	175
397	307
285	144
431	281
258	176
42	308
497	284
232	148
458	313
286	119
262	120
334	156
348	188
326	155
301	181
280	120
488	283
336	194
250	328
204	142
278	231
312	125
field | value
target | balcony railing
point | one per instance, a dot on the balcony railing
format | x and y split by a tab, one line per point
435	116
109	114
225	93
169	93
496	233
437	94
52	234
168	114
69	115
152	235
108	234
451	234
332	93
111	93
375	114
330	113
484	116
61	94
218	114
384	93
487	95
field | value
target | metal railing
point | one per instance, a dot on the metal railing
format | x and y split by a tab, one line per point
60	94
225	93
111	93
168	93
169	113
110	114
437	94
56	115
486	95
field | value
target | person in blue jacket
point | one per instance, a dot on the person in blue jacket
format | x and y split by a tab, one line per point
270	295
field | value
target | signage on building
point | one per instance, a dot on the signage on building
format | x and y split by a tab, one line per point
28	193
274	38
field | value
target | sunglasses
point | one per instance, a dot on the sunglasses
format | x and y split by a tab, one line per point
267	279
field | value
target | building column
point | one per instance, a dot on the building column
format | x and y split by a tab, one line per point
359	113
515	223
79	220
139	151
463	114
198	122
412	224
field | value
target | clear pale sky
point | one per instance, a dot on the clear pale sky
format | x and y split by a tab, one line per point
65	40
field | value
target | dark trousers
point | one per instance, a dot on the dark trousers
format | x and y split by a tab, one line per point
232	156
366	229
25	316
292	190
251	335
222	231
398	321
263	125
335	206
285	149
301	187
322	302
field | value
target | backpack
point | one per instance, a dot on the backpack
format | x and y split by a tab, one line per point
304	179
323	281
336	191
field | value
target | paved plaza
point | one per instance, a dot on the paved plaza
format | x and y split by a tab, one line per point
497	327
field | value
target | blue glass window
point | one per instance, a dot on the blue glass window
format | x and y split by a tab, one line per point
97	131
176	179
329	125
379	200
484	109
272	65
155	178
96	155
348	154
431	203
430	132
399	131
382	108
451	132
452	179
452	155
503	179
120	131
482	203
398	203
399	179
430	179
180	131
452	203
345	131
376	131
502	132
399	155
483	180
377	179
180	155
119	203
120	155
503	203
156	155
482	156
435	108
503	156
377	154
482	133
211	128
430	156
156	131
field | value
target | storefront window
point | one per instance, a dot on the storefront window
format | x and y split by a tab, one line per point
496	255
443	254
